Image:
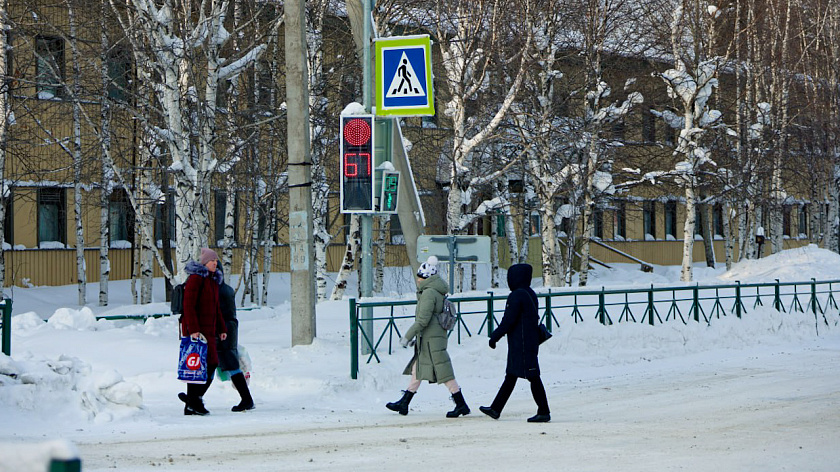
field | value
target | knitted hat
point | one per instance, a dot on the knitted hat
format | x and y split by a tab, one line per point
207	255
428	268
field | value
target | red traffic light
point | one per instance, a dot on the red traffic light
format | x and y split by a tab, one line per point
357	132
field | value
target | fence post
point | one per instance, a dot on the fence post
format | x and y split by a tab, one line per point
602	312
696	307
777	300
814	296
548	313
354	341
490	327
738	298
651	308
7	326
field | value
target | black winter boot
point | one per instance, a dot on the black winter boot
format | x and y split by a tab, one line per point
461	407
194	404
401	406
241	385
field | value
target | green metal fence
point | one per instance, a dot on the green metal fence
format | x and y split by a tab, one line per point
687	303
6	326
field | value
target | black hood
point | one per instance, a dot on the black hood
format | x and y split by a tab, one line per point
519	276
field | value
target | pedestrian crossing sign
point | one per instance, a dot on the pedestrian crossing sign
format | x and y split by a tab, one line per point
404	76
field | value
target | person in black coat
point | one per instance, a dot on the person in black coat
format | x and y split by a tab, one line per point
229	348
520	324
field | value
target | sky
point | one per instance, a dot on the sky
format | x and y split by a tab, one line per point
759	393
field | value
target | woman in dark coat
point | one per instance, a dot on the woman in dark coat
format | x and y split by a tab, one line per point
520	324
202	317
229	349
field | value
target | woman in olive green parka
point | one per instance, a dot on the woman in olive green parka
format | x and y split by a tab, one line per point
431	360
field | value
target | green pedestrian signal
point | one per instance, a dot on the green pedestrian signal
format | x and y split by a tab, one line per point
390	192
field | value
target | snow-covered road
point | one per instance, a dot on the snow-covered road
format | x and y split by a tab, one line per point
763	409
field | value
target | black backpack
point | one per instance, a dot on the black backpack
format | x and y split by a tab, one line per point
448	318
176	300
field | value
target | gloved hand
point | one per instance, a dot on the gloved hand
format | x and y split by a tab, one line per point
405	342
492	344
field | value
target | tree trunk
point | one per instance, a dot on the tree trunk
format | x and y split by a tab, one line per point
379	245
81	269
688	235
105	176
706	223
350	255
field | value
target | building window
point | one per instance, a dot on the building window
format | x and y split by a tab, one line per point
49	66
120	217
649	214
717	216
803	221
671	219
786	220
500	226
165	212
598	224
219	210
119	75
648	127
536	227
10	72
699	220
621	221
670	135
8	222
52	216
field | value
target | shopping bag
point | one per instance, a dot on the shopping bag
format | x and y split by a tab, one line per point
244	366
245	363
192	363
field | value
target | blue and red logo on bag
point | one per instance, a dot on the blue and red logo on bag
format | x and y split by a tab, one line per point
194	361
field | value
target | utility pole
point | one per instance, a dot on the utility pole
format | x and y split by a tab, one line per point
300	176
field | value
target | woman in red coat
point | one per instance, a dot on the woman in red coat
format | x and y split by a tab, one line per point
202	316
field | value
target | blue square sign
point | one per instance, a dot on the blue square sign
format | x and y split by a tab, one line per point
403	76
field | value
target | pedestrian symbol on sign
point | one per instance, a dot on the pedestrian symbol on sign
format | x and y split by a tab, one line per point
405	82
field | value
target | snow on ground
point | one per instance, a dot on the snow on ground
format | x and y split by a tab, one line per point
757	393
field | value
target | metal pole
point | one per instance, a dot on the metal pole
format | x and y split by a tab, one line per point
354	341
366	220
453	253
7	326
302	262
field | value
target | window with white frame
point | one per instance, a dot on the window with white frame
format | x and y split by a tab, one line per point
621	221
52	216
649	218
536	224
671	219
219	215
120	217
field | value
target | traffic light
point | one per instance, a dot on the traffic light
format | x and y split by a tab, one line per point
390	192
357	164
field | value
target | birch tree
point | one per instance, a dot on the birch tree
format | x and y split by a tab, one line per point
691	82
472	36
185	41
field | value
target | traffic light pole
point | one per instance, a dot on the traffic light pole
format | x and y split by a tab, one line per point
366	269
